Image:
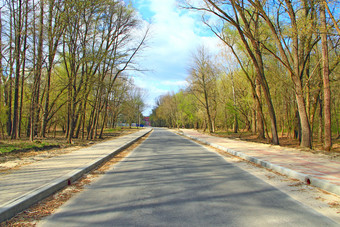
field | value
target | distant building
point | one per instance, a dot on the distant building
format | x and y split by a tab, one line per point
147	121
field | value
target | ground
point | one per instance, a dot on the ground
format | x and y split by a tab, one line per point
23	154
46	207
323	202
284	142
326	203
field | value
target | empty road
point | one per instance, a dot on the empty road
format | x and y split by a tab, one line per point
171	181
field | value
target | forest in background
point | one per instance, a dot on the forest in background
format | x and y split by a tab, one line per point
63	67
277	74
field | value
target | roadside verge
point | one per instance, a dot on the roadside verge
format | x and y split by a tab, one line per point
306	178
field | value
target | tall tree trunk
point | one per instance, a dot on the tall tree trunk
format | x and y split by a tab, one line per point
8	99
23	69
1	69
260	120
9	82
254	119
39	66
54	32
34	115
17	51
320	120
306	138
71	121
326	86
207	108
234	101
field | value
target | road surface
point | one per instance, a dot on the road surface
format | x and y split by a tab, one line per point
171	181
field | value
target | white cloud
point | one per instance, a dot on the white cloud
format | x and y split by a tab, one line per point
182	83
175	35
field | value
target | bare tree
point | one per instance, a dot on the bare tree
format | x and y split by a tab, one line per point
1	67
202	82
55	29
246	24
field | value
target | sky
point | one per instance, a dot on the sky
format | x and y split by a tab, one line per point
174	36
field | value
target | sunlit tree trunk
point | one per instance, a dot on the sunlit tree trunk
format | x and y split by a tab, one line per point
1	70
260	120
23	71
18	27
326	85
55	28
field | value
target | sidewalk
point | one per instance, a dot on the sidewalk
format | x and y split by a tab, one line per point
23	187
315	169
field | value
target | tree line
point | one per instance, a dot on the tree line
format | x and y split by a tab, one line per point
278	72
63	65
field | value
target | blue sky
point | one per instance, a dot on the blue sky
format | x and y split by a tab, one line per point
175	34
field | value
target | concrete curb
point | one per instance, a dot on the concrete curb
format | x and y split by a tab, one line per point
308	179
11	208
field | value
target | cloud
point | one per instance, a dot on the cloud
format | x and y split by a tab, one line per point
175	35
181	83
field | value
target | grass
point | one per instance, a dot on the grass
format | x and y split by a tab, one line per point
110	130
10	146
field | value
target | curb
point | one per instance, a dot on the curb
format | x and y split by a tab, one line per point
11	208
308	179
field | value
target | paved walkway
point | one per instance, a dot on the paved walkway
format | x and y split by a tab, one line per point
23	187
317	169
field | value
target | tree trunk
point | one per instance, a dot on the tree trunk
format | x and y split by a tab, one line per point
210	127
104	121
9	83
326	86
235	128
260	120
306	138
320	121
23	70
1	72
37	77
17	51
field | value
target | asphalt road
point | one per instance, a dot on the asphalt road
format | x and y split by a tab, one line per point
171	181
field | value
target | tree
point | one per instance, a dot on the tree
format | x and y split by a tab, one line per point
202	82
326	84
239	19
293	58
55	29
134	105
